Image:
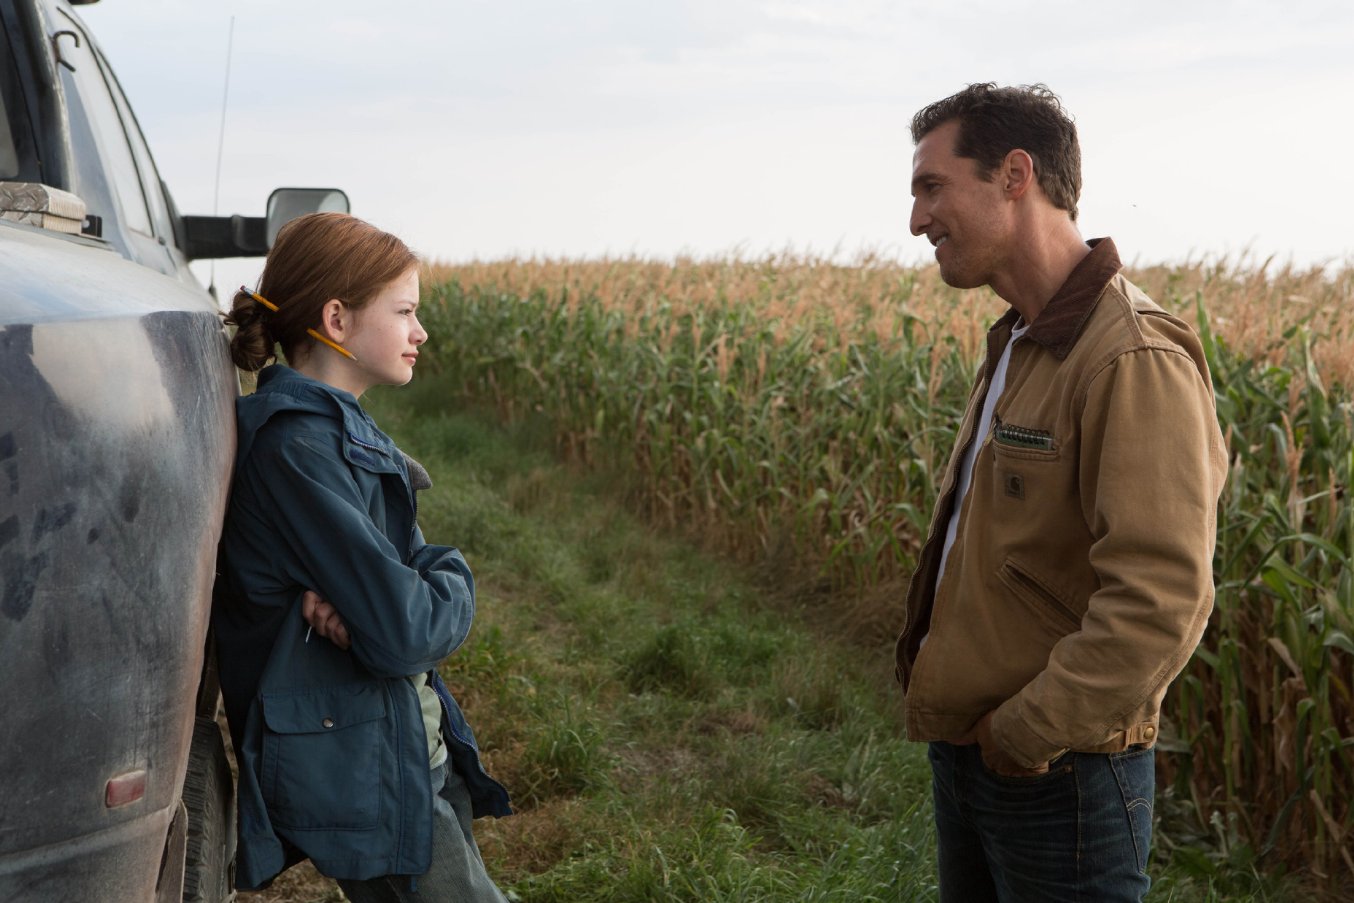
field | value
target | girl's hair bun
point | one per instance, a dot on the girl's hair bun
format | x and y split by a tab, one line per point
252	346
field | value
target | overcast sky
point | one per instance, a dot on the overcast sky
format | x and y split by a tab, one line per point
489	128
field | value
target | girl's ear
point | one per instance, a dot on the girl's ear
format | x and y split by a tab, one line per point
335	320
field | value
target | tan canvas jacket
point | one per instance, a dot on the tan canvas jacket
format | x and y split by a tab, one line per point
1080	579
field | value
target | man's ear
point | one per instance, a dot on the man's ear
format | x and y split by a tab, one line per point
335	320
1017	172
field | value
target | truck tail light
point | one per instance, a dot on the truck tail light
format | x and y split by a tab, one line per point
125	788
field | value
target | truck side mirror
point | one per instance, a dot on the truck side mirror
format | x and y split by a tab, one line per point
207	237
286	204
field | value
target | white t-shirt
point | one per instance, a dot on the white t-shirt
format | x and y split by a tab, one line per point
984	428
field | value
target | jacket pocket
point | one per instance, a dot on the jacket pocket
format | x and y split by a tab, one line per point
1046	604
1023	442
322	757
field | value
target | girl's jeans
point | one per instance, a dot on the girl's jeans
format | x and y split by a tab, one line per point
1079	833
457	873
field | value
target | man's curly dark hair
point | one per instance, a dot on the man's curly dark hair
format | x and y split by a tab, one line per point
993	121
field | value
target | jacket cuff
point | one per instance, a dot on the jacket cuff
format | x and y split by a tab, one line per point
1018	740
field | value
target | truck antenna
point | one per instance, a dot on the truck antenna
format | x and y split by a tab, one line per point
221	142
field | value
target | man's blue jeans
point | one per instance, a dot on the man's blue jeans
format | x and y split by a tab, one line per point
1080	833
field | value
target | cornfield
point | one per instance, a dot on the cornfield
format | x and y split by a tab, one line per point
801	411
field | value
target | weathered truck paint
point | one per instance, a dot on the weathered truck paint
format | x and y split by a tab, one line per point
116	443
115	446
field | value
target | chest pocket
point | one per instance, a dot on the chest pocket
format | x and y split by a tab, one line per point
322	757
1018	453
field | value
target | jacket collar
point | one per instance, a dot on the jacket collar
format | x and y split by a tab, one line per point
1060	322
281	388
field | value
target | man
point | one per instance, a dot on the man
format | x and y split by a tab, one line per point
1067	576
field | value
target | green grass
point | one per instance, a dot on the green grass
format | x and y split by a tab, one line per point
674	727
669	728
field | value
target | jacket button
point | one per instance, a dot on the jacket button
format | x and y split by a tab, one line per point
328	722
1149	732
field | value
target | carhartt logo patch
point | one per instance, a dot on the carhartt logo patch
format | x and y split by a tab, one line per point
1014	483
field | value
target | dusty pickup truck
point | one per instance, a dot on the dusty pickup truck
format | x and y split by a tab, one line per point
116	440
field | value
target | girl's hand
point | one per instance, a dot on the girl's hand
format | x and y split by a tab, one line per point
324	619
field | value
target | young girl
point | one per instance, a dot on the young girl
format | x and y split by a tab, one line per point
331	613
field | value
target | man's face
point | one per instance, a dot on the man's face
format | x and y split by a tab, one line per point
965	216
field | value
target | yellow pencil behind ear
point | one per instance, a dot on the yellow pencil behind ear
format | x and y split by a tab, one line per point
332	344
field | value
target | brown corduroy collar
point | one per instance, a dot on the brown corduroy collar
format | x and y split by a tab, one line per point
1061	320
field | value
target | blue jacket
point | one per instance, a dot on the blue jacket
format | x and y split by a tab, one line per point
331	747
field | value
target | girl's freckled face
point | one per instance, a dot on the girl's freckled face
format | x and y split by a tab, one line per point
387	334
